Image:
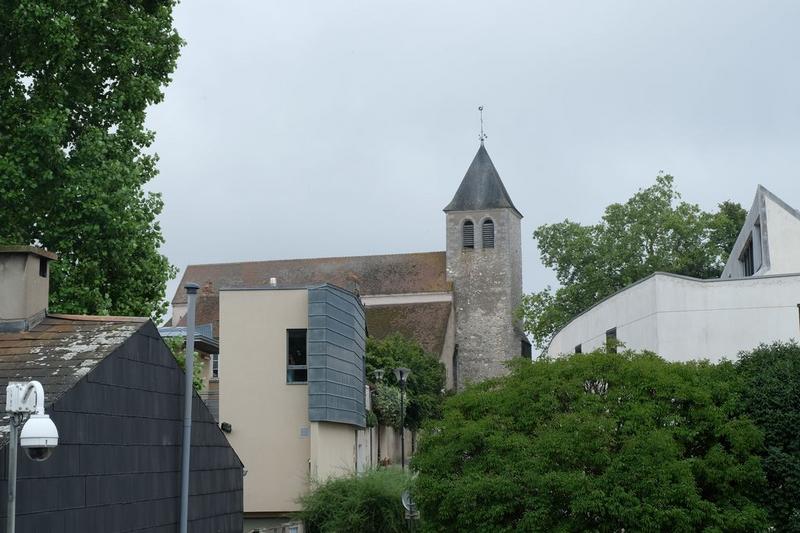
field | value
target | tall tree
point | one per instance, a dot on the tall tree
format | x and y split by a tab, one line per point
75	81
652	232
770	396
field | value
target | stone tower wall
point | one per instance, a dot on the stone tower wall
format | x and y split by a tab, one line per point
487	290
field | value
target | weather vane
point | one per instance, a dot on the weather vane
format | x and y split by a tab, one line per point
482	136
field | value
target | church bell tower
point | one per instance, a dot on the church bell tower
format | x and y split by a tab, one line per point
484	264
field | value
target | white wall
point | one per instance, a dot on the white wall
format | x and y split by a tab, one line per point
683	318
783	235
632	312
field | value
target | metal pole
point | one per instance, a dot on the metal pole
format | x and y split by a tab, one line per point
12	473
188	390
403	426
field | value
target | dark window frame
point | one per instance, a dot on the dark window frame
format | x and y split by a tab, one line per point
292	369
526	350
487	233
747	258
611	340
468	235
214	366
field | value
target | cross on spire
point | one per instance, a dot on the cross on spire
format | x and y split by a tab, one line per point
482	137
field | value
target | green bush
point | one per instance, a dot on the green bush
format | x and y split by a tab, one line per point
368	502
771	398
424	392
594	442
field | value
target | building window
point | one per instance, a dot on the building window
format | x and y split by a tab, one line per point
43	267
611	340
468	234
214	366
525	349
296	356
488	233
747	259
578	349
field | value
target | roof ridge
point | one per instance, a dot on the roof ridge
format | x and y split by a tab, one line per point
98	318
312	258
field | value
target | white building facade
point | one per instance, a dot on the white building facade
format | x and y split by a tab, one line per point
757	299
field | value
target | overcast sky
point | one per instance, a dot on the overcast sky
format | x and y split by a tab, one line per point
330	128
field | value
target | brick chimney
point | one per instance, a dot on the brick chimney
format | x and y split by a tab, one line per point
24	286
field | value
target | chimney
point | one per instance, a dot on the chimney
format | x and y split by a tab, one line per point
24	286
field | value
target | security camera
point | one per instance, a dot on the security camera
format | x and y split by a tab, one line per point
39	437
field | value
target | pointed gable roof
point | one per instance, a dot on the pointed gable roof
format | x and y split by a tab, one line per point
481	187
773	242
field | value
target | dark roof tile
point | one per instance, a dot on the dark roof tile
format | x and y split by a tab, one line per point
481	187
59	352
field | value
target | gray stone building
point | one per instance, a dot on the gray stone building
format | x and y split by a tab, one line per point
484	265
458	303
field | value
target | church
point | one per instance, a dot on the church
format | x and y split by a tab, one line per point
459	303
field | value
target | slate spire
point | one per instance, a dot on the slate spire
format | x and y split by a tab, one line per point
481	187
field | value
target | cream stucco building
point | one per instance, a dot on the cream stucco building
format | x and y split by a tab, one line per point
293	392
756	300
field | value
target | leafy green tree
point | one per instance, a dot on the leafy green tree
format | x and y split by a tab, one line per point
593	442
367	502
652	232
425	386
177	346
76	79
771	398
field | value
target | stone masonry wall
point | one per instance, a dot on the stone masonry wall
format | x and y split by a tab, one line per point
487	289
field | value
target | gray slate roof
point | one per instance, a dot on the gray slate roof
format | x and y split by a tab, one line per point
58	352
481	187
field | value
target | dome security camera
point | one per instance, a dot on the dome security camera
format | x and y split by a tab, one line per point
39	437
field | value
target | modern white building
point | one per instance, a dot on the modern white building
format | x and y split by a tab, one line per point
756	300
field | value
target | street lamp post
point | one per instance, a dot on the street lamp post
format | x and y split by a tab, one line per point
378	372
38	437
402	377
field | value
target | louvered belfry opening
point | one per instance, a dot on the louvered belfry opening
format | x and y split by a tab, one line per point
488	233
468	234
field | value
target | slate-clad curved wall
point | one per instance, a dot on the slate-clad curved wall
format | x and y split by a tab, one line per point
336	367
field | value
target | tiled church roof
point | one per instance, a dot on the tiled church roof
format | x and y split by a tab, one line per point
367	275
424	322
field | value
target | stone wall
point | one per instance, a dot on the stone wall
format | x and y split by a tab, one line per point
487	289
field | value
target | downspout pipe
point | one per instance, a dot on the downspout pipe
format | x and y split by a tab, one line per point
188	394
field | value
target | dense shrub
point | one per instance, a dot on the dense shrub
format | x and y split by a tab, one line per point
368	502
771	398
594	442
